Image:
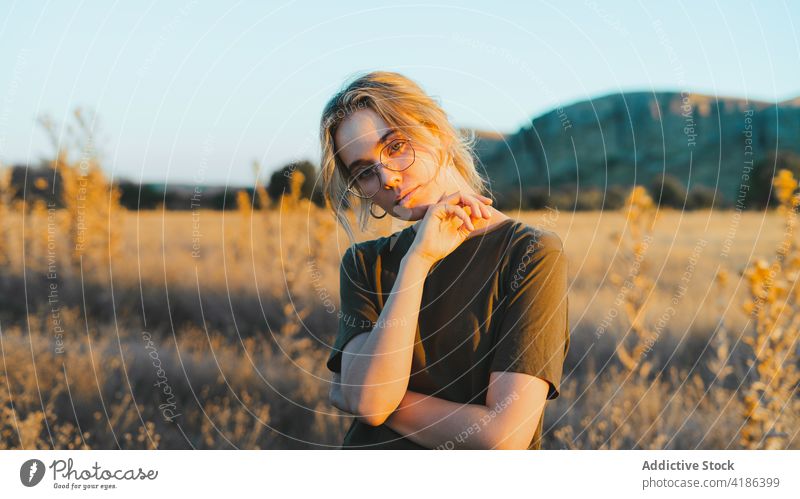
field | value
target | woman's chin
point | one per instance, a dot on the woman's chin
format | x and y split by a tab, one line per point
412	212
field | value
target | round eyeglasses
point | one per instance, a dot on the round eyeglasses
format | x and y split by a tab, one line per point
397	156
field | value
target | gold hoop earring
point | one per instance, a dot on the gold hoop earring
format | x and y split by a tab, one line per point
370	212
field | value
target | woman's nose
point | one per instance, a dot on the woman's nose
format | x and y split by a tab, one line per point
389	178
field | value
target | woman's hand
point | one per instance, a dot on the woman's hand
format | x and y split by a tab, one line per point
447	224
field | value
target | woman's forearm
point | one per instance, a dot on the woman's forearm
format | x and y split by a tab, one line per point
375	378
436	423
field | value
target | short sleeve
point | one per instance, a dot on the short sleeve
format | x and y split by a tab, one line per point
533	336
358	312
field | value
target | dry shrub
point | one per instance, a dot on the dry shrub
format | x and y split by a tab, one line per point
774	305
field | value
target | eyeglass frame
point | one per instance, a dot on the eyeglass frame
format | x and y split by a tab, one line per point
351	183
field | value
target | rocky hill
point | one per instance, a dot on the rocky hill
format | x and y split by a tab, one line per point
627	138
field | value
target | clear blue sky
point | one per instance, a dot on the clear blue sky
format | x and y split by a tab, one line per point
197	90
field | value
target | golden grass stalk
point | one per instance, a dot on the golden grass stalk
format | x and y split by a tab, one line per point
719	363
295	189
245	210
6	195
774	306
91	202
264	202
36	236
635	285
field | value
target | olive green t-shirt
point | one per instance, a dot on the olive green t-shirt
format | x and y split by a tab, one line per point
498	302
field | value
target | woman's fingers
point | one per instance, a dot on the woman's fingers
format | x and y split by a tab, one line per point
482	198
458	196
482	209
471	203
478	208
476	202
485	205
459	212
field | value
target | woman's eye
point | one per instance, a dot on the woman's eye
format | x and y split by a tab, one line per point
397	147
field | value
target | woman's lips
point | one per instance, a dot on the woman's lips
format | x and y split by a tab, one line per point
405	199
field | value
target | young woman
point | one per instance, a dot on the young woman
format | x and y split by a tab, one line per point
453	331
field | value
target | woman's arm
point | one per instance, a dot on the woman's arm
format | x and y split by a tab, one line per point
376	366
514	405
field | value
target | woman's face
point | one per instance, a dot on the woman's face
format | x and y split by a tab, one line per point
359	140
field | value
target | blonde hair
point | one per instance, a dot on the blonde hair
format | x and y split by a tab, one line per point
403	105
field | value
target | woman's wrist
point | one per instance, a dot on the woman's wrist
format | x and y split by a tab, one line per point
417	261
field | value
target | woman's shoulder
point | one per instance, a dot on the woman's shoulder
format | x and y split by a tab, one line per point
534	238
534	255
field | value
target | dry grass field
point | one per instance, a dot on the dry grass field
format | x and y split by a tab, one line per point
206	329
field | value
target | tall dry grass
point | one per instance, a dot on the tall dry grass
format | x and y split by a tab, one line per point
211	329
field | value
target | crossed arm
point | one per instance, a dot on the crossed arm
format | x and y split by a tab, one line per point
514	405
